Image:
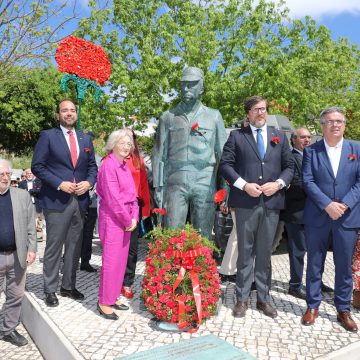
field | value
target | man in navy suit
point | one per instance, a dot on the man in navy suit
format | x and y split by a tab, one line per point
331	178
64	161
256	163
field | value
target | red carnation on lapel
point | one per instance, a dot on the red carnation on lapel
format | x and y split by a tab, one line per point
352	157
87	150
275	140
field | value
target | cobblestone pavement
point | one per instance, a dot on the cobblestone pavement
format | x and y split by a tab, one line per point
11	352
267	339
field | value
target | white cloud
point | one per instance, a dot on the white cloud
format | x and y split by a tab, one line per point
317	9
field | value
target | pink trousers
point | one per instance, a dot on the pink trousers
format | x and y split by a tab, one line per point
115	242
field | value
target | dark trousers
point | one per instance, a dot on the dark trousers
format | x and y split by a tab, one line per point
63	228
255	233
133	254
317	243
297	251
88	232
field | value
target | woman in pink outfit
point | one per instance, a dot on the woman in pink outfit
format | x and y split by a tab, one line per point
118	214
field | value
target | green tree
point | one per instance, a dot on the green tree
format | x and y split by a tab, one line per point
27	105
245	48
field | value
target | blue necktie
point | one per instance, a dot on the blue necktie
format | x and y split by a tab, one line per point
260	143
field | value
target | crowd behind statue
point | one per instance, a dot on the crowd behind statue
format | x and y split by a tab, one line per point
313	188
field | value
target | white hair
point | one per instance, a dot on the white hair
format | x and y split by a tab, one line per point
116	136
6	163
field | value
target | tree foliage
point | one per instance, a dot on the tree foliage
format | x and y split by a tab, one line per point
29	30
246	47
28	102
27	105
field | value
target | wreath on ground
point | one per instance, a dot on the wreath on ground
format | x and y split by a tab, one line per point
181	283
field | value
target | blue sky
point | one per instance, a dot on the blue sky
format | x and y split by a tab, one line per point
342	17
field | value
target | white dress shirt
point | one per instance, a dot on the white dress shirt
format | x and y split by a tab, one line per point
67	138
334	154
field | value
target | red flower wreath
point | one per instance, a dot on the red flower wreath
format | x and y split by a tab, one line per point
84	59
181	282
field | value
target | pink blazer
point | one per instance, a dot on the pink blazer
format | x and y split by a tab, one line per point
116	189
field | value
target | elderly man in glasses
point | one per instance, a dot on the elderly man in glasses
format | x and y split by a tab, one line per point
17	250
331	178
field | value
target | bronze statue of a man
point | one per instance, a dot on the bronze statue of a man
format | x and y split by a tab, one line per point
189	143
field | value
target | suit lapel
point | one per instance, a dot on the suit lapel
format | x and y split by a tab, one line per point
298	160
250	139
269	145
63	143
344	161
16	210
324	158
81	142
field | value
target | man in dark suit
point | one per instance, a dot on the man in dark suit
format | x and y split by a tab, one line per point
256	163
17	251
64	161
292	215
331	178
33	186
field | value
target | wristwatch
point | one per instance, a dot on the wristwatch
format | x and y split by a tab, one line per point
280	184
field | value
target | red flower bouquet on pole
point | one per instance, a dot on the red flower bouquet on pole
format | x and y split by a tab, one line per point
85	63
181	283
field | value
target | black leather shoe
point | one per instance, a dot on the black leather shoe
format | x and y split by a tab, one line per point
240	309
253	286
51	299
111	316
87	267
15	338
326	289
298	293
120	307
267	309
73	294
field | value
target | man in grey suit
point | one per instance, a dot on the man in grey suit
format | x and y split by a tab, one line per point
17	250
256	163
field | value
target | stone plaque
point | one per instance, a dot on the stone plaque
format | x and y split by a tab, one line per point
201	348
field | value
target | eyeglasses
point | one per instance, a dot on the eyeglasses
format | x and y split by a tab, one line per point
258	110
333	122
125	144
8	174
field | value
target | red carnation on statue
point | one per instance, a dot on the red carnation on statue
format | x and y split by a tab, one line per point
220	196
84	59
159	211
195	127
